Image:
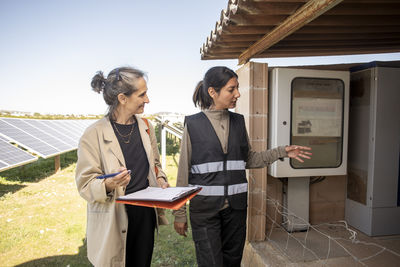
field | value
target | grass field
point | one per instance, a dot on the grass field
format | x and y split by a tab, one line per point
43	219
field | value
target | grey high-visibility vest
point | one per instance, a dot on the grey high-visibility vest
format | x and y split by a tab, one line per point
221	175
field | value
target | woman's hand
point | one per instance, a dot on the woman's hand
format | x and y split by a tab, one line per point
181	228
295	151
121	179
162	183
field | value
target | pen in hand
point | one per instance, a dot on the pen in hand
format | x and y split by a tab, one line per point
110	175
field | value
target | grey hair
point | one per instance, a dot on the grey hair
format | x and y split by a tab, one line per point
119	81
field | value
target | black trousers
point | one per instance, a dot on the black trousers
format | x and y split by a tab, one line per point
140	238
219	237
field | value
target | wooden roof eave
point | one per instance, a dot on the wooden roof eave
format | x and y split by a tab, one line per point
308	12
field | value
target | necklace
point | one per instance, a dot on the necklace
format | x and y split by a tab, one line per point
128	136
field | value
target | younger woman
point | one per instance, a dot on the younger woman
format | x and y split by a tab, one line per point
215	152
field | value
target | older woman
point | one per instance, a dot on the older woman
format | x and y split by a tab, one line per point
122	142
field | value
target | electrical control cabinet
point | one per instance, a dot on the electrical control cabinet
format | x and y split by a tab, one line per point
310	108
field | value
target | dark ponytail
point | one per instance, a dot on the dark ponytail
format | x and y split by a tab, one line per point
201	97
216	77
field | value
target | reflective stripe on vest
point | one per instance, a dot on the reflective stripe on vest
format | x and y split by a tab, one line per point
218	190
231	165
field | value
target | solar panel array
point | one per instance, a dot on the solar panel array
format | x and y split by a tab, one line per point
11	156
45	138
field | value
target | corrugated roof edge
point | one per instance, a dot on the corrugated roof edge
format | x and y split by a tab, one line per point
223	20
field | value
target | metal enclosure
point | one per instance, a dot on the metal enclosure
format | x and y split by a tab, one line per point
372	203
309	107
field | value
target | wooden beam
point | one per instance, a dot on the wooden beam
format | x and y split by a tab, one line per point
302	52
274	1
307	13
314	52
348	29
342	36
265	8
333	47
217	50
242	44
239	38
260	20
347	20
355	9
371	1
236	29
337	44
220	56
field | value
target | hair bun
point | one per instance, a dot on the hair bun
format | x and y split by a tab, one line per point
98	82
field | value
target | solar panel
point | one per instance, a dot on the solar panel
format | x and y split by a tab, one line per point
39	134
2	166
83	124
45	138
27	140
79	126
11	156
73	126
59	125
44	126
87	123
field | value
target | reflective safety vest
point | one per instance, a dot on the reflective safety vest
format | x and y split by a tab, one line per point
221	175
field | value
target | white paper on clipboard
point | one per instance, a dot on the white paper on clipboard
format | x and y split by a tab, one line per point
159	194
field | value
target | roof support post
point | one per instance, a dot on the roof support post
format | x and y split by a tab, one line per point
308	12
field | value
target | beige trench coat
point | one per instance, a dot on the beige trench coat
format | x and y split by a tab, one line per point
100	153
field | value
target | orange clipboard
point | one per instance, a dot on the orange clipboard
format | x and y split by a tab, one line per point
174	205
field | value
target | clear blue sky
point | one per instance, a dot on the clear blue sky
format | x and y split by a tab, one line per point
50	50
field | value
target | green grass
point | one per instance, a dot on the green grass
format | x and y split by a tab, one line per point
171	249
43	219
